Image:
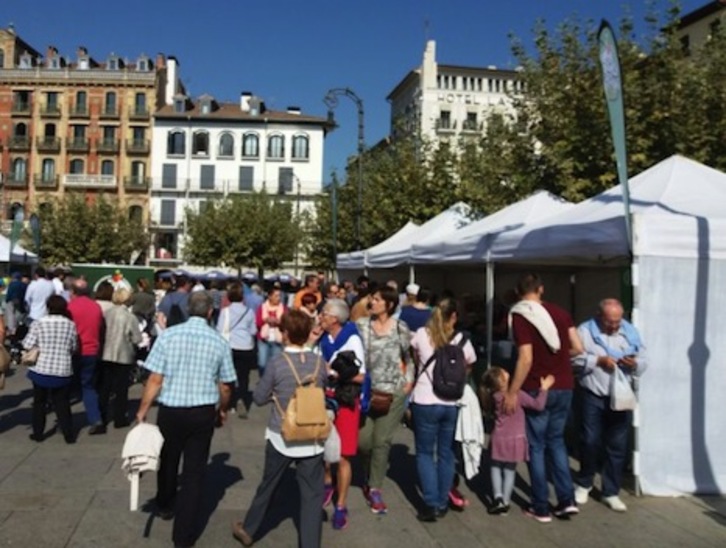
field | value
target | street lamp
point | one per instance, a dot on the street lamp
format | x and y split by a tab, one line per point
297	213
331	101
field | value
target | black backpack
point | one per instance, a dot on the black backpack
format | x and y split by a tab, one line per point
449	370
176	316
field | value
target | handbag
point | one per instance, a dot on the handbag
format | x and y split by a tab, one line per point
305	418
622	397
30	357
331	450
380	403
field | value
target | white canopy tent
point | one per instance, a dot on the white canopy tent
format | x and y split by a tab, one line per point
20	254
679	264
356	260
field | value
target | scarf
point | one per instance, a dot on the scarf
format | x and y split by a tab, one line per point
537	315
329	346
627	330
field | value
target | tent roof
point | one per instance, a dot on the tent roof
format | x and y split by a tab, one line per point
356	259
470	242
594	230
20	254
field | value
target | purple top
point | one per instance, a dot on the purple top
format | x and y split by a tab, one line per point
509	439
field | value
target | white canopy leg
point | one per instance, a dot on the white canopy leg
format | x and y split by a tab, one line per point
134	497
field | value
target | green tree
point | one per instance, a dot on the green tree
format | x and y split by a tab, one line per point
74	231
256	230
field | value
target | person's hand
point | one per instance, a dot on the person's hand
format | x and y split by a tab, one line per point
140	417
545	383
629	361
607	363
221	417
510	403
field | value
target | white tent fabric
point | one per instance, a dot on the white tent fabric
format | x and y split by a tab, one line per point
20	254
469	244
391	254
356	260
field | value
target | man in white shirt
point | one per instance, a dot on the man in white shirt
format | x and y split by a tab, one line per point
37	294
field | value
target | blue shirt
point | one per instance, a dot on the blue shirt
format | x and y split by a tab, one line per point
242	326
193	359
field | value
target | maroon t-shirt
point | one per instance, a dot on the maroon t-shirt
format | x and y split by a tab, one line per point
544	361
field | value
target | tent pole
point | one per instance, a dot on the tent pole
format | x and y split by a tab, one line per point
411	273
490	309
635	277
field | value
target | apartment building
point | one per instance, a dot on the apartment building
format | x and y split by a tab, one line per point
76	124
206	149
697	26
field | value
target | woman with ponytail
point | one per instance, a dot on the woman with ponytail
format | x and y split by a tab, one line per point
434	419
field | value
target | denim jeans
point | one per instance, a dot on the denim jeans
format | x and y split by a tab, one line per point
85	372
433	427
266	351
602	426
547	451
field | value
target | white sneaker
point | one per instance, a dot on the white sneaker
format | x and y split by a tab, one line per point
582	494
614	503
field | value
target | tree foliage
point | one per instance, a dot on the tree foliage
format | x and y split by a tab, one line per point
256	230
77	231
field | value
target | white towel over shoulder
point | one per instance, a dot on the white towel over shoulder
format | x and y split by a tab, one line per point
537	315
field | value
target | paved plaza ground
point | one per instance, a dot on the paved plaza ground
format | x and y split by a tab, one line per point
56	495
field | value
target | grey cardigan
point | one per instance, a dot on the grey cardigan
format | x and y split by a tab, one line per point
122	335
279	379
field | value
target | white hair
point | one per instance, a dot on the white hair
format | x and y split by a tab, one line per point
337	308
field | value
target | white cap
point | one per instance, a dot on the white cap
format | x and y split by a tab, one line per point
412	289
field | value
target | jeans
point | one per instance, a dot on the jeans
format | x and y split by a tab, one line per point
85	371
547	451
602	426
266	351
433	427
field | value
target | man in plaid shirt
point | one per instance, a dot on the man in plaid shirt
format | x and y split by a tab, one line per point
191	372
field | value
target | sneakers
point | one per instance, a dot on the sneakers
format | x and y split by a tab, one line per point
428	514
615	504
329	490
541	518
565	510
375	500
340	518
457	501
498	508
582	494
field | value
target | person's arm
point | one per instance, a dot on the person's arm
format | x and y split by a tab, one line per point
524	364
225	395
263	391
576	346
151	390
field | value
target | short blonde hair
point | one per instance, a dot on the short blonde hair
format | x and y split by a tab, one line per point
120	296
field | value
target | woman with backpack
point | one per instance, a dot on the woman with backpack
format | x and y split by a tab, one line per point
278	385
434	409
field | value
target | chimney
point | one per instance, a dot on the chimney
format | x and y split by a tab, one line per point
82	52
256	106
244	101
51	52
171	80
160	61
293	110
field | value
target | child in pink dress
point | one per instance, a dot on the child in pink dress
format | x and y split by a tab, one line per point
508	440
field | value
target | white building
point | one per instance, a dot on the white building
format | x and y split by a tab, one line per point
207	149
446	102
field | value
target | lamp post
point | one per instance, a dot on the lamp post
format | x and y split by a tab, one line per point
297	213
331	101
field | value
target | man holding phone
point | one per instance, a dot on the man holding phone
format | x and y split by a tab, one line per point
609	342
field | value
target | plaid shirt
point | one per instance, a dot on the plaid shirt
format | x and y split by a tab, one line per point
57	339
193	359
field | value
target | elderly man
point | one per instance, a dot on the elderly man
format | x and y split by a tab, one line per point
340	336
191	372
610	342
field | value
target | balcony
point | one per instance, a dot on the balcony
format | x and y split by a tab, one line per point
16	180
108	146
445	125
21	108
471	126
137	184
79	180
77	144
45	182
109	113
19	143
48	144
50	111
79	111
139	113
137	146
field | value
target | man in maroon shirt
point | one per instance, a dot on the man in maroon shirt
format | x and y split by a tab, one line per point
546	339
88	317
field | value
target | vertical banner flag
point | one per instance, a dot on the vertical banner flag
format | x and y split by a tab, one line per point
35	229
612	81
16	230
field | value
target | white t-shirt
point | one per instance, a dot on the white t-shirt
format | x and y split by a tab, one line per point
423	392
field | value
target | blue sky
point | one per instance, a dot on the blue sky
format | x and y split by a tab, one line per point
292	52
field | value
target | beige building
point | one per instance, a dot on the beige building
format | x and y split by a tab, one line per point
75	124
697	26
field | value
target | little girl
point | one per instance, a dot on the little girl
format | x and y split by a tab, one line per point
508	440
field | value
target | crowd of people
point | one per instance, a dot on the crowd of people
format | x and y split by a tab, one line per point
379	354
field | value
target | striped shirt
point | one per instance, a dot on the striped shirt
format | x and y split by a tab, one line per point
193	359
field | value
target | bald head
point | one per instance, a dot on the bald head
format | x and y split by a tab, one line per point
79	287
610	315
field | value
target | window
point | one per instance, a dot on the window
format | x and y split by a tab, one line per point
226	145
168	212
200	143
107	167
49	132
470	123
445	120
140	103
112	63
77	167
250	145
276	147
81	101
180	105
143	64
175	144
686	44
79	133
109	134
138	170
246	178
206	177
138	134
110	102
54	63
51	101
300	147
136	214
284	180
20	169
48	169
21	130
21	101
26	61
168	176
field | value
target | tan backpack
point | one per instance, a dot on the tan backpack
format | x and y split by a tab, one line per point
305	418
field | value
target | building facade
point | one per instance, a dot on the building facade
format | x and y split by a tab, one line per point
450	102
76	125
697	26
206	149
